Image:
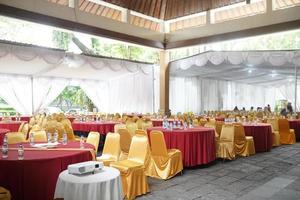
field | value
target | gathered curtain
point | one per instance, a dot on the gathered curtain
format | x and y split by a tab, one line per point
197	95
45	91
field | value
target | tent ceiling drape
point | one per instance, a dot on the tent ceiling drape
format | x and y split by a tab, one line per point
47	72
222	80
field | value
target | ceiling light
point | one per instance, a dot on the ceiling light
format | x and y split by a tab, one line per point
273	75
250	71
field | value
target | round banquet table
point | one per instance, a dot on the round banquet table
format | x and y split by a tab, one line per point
220	119
295	124
2	134
262	135
159	122
197	145
35	177
103	127
103	184
13	126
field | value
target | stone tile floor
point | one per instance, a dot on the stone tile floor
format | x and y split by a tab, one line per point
271	175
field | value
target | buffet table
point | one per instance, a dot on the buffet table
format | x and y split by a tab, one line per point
197	145
35	177
103	127
295	124
262	135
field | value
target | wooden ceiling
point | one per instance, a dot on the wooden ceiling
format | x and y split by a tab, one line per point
171	9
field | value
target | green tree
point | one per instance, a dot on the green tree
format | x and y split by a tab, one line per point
61	39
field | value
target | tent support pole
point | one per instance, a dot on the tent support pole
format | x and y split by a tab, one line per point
296	78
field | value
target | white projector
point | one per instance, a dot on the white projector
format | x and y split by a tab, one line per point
85	167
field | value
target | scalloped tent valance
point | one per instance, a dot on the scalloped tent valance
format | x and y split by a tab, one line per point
55	63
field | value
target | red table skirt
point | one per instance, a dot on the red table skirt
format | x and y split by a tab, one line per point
220	119
13	126
295	124
2	133
101	127
22	118
35	177
197	145
262	136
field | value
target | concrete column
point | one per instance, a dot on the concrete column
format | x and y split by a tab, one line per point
164	59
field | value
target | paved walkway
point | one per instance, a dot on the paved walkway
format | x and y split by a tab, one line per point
271	175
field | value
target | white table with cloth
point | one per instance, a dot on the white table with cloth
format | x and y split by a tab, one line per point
103	184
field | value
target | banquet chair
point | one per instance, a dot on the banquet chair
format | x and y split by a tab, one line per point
131	127
147	124
21	126
119	126
202	121
219	125
196	122
31	122
287	135
244	145
139	122
4	194
141	132
217	136
111	150
226	148
125	141
39	136
24	129
15	137
275	131
134	180
166	162
93	138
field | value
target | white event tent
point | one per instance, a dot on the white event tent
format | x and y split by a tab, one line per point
224	79
32	77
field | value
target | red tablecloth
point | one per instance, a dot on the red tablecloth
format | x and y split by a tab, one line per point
35	177
159	122
101	127
71	118
2	133
220	119
196	144
295	124
262	136
22	118
13	126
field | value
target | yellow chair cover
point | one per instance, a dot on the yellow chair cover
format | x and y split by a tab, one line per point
4	194
217	136
134	180
125	141
202	121
111	149
40	136
31	122
21	127
244	146
147	125
119	126
196	122
93	138
287	135
139	123
131	127
226	144
275	131
15	137
141	132
166	162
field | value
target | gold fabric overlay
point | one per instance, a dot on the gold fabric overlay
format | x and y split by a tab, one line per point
287	135
132	170
226	144
111	149
125	141
275	131
4	194
244	146
166	162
